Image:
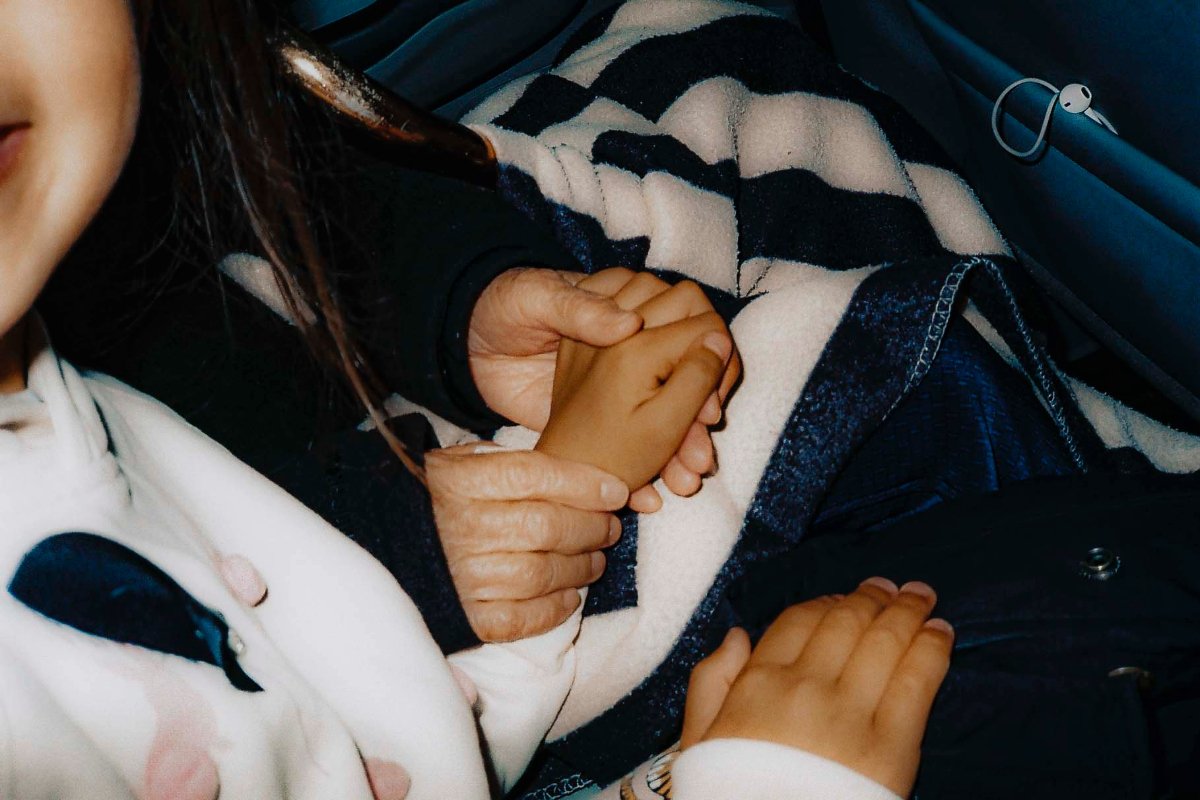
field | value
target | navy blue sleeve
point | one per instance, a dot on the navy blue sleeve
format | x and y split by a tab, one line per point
434	245
361	488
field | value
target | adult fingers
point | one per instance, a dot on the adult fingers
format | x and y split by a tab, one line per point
824	657
709	685
680	480
523	576
786	637
904	708
498	474
535	526
884	643
578	313
696	452
646	500
733	372
509	620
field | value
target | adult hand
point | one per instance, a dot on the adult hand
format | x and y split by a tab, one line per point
522	531
851	679
514	333
513	339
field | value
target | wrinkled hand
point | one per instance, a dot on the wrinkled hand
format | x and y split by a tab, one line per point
522	531
514	334
851	679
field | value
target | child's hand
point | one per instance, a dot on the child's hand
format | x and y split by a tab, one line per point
850	679
627	408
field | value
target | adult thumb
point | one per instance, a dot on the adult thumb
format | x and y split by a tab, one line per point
586	316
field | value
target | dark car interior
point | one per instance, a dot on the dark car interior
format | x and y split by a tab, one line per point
1107	224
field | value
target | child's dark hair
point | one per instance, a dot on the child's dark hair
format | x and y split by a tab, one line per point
217	112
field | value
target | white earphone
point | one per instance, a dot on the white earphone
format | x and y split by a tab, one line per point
1074	98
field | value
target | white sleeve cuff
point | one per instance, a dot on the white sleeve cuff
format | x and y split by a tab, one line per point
724	769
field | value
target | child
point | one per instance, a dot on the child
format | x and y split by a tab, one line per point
218	637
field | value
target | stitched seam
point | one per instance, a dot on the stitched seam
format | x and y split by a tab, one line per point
1045	384
561	788
939	319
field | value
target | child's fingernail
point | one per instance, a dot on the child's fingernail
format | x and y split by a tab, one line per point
939	624
614	531
919	588
719	344
881	583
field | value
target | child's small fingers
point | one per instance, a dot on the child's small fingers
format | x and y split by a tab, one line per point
884	643
711	413
641	288
684	299
692	379
709	685
904	708
842	627
606	282
785	639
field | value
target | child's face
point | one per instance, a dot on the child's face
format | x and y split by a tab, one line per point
69	92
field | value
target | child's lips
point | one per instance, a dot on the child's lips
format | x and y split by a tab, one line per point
12	138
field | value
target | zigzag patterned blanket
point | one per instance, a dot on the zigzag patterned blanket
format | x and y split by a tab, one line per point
712	140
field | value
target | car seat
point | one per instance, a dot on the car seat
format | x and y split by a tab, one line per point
1109	224
447	55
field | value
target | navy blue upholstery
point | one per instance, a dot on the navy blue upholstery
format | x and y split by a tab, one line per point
447	55
1111	225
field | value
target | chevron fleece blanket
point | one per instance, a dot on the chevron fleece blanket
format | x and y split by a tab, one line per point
712	140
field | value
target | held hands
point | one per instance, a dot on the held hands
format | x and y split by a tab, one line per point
627	408
523	530
851	679
514	333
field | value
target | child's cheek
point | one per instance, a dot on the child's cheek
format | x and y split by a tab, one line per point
70	75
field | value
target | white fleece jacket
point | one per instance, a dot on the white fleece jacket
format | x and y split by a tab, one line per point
358	702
